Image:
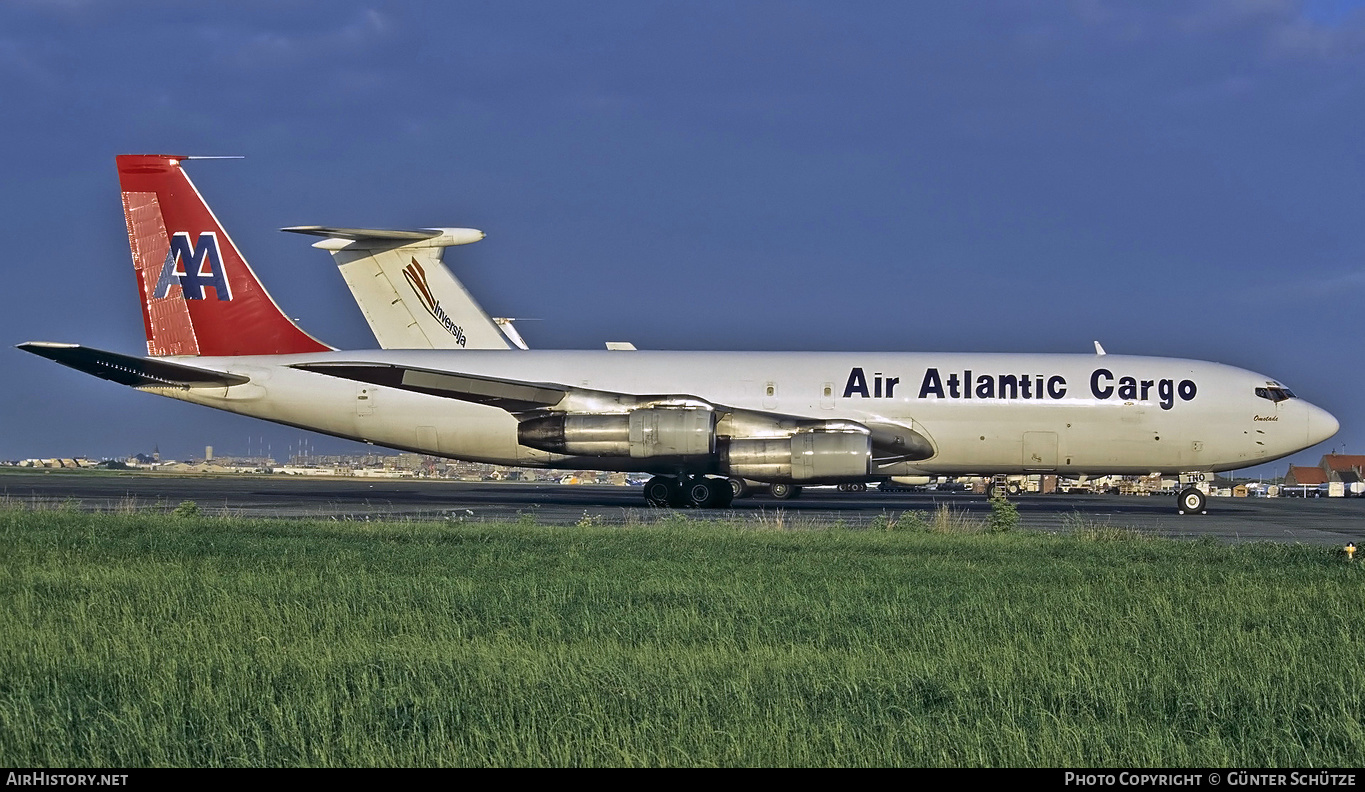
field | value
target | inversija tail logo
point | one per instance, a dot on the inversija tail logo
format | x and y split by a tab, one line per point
192	267
417	279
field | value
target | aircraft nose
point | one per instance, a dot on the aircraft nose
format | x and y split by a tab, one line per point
1321	424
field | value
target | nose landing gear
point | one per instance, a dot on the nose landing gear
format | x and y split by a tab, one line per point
1192	501
1193	497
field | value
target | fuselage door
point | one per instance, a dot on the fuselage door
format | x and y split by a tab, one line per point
1040	450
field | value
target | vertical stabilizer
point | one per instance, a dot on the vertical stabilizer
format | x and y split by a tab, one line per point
199	296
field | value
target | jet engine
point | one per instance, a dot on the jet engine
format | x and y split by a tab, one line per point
639	434
805	456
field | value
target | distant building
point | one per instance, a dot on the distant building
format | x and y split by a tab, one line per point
1304	476
1346	468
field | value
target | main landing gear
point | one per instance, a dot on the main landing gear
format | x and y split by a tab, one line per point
689	492
744	488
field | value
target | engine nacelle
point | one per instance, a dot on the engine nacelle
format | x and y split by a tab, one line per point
805	456
639	434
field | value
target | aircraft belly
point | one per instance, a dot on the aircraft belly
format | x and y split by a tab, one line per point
1058	438
440	427
382	416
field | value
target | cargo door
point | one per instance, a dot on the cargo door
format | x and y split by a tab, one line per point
1040	451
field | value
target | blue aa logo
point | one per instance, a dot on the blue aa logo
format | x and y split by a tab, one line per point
193	268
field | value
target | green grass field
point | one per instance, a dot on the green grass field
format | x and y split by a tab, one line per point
148	640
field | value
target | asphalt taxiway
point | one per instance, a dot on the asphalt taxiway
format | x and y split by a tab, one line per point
1327	521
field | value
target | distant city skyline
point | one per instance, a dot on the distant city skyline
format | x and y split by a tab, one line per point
1169	179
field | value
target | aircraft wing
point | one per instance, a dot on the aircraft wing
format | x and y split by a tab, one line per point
511	395
514	396
133	371
527	400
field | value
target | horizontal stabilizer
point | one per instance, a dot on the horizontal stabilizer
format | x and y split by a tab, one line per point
132	371
365	233
388	238
509	395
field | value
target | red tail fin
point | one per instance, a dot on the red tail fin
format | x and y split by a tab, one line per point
199	296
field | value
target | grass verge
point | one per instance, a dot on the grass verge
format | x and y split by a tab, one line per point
138	639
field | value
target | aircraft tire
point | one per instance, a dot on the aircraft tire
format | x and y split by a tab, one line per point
782	491
659	492
702	493
1192	501
725	494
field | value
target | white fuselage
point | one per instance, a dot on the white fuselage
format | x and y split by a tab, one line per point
1078	413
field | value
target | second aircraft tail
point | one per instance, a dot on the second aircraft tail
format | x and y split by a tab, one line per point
409	297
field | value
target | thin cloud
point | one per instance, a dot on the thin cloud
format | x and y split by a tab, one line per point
20	63
271	48
1330	30
1313	287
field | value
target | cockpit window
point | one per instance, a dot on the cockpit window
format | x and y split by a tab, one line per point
1275	394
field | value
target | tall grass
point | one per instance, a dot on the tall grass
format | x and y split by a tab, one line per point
136	639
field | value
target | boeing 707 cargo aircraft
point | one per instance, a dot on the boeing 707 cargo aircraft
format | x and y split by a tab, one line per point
216	338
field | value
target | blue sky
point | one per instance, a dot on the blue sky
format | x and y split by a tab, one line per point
1171	178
